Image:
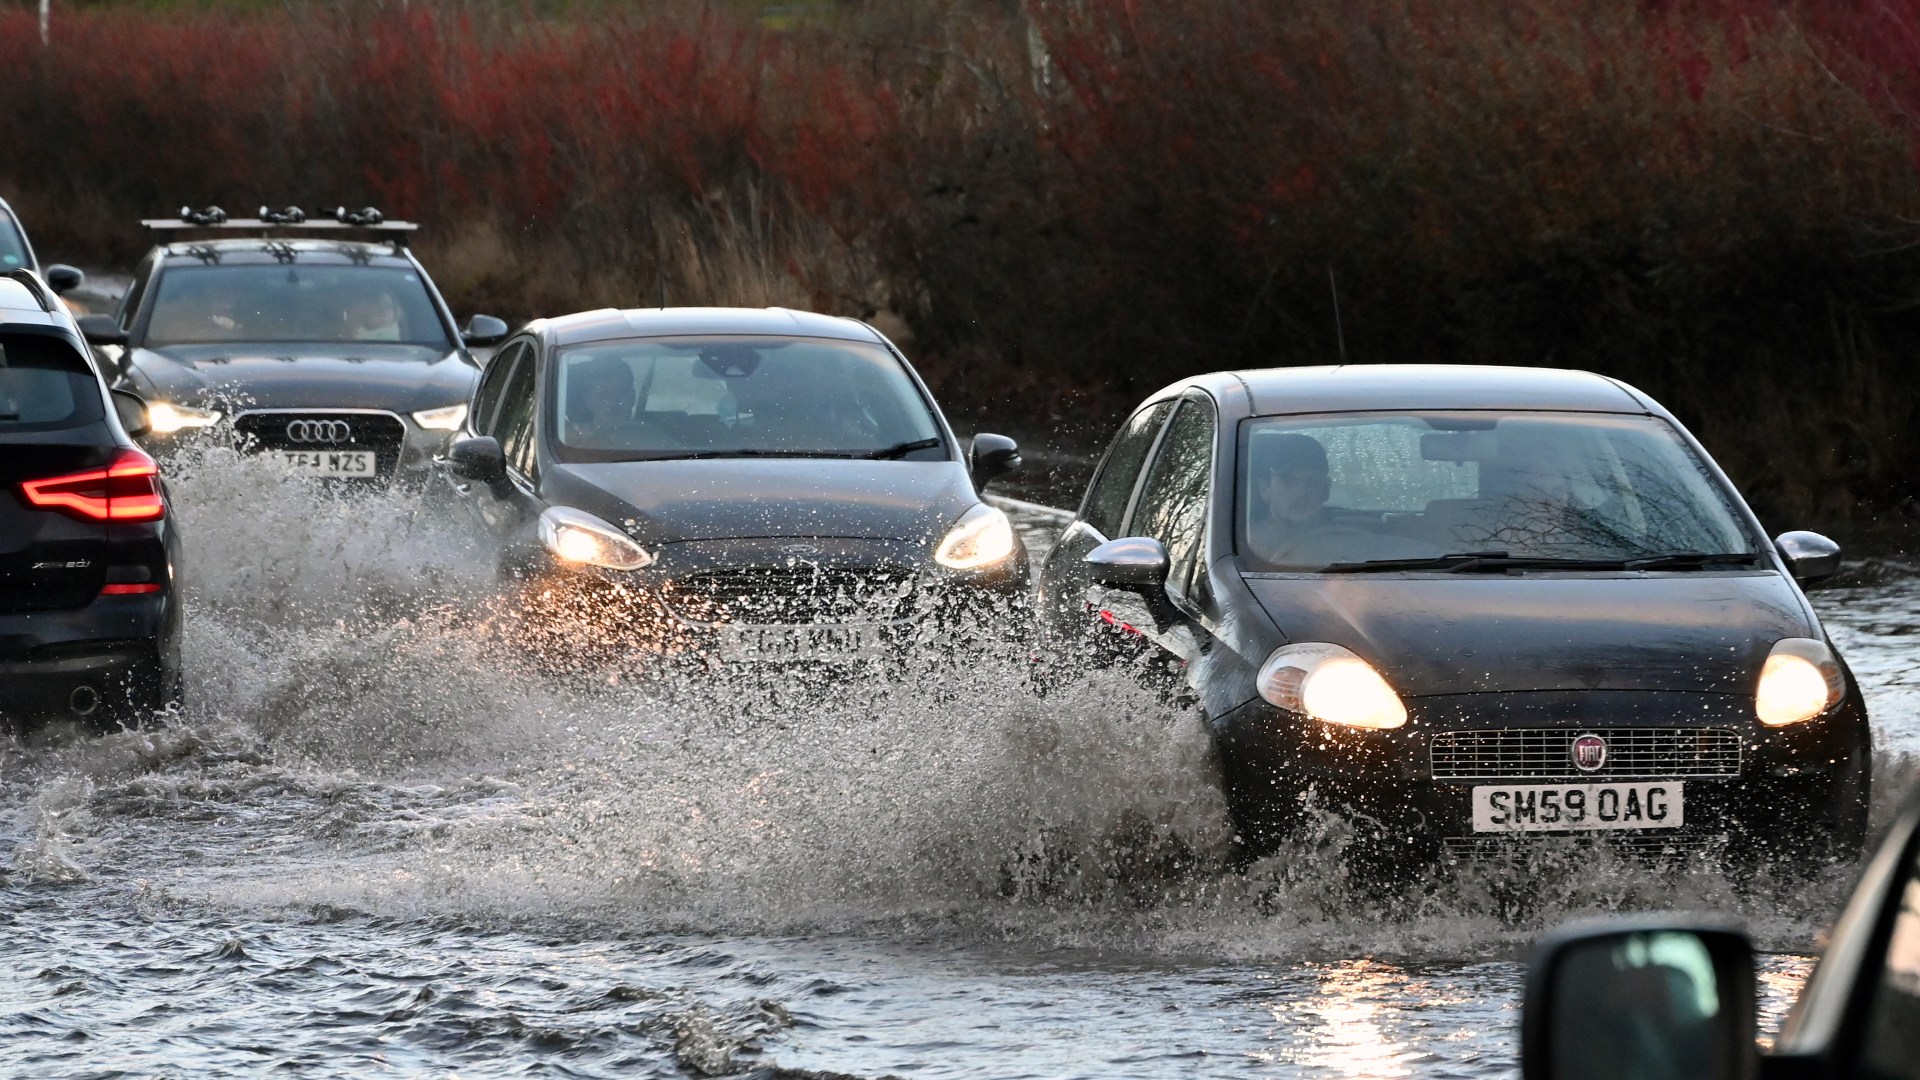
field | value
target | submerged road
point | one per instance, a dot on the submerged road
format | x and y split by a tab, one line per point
384	841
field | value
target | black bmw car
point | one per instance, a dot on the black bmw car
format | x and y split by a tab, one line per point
338	355
89	612
1471	609
744	485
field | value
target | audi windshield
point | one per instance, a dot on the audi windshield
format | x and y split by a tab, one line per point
1466	490
738	396
265	303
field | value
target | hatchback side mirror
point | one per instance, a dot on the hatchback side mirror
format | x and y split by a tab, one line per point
1809	556
484	330
991	457
1640	997
478	458
63	278
1137	564
132	409
101	330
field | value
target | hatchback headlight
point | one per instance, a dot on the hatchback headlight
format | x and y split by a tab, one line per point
444	419
165	418
1331	684
577	537
1800	680
982	537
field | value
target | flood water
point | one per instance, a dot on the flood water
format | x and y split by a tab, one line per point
398	830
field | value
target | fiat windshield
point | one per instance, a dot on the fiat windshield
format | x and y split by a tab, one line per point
1479	491
738	396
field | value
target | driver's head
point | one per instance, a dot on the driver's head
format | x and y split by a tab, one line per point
1532	467
1290	474
371	309
600	391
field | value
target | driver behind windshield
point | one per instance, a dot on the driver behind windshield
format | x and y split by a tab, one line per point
1291	485
600	400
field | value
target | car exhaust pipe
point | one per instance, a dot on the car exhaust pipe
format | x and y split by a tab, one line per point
83	700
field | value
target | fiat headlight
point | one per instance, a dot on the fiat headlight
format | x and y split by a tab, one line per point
982	537
447	419
1331	684
165	418
576	537
1800	680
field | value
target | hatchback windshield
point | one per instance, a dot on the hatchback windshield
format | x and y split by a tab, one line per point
1349	490
199	305
737	396
13	249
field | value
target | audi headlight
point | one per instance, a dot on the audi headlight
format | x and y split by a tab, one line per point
1800	680
576	537
982	537
447	419
165	418
1331	684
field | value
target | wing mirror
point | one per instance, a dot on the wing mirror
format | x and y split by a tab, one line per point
1810	557
132	410
478	458
1137	564
1640	997
101	330
484	330
991	457
63	278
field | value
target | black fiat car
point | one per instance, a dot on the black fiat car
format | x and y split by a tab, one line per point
89	611
1471	609
323	342
734	485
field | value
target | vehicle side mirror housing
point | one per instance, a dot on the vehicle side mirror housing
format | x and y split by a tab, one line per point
63	278
1650	996
478	458
101	330
1137	564
991	457
132	409
1809	556
484	330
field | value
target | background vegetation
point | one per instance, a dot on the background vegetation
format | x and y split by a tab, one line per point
1066	203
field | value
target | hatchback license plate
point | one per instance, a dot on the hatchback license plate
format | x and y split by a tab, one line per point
331	462
824	641
1573	807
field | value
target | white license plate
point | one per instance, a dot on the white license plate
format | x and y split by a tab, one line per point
1564	807
330	462
816	642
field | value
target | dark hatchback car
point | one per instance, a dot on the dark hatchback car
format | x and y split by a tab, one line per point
337	355
89	615
1675	996
1470	609
744	485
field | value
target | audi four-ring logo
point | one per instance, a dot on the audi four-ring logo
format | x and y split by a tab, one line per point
320	431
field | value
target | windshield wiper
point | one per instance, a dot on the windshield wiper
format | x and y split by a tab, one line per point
901	449
1457	561
1691	560
701	455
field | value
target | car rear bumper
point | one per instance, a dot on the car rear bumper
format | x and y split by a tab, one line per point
45	656
1739	780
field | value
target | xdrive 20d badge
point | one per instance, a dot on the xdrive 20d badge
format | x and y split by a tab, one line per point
1471	610
736	486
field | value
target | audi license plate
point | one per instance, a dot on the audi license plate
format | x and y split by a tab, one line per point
817	642
330	462
1564	807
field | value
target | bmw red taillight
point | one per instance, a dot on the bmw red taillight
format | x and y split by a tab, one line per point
128	489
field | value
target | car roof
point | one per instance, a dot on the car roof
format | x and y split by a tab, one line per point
258	251
609	323
19	308
1367	387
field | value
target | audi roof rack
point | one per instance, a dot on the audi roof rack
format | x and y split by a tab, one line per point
290	218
